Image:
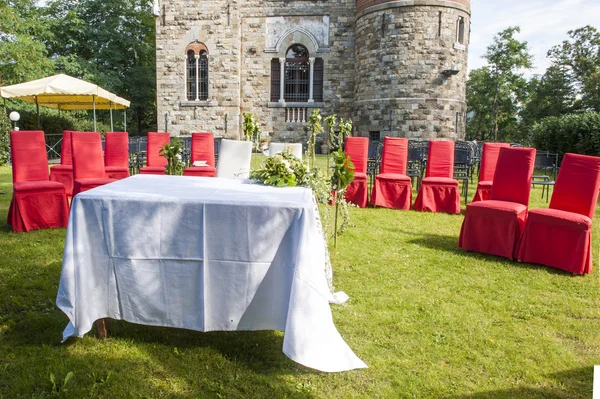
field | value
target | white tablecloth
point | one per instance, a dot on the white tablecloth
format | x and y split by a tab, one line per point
203	254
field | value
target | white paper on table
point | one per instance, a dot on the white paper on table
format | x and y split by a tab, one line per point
199	163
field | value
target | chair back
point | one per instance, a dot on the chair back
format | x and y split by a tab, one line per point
489	158
395	155
512	178
203	148
278	148
29	157
155	142
65	149
440	159
577	185
88	162
116	149
357	149
234	159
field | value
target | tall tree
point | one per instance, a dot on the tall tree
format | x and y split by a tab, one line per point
496	92
579	59
110	43
506	56
23	55
550	95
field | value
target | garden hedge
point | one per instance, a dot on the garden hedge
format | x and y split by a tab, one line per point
577	133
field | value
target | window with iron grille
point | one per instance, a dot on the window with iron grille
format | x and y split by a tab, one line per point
196	79
191	76
297	76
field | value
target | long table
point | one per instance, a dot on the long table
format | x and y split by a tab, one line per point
203	254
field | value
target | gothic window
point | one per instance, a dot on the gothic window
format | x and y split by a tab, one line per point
460	30
301	78
196	72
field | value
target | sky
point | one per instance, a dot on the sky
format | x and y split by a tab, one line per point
543	23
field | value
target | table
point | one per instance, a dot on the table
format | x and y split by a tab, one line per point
203	254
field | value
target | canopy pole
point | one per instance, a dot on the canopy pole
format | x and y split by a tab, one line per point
125	119
37	109
94	103
111	119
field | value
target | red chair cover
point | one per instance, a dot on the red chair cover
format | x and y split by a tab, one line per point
88	162
155	163
37	202
439	192
116	155
561	236
489	159
63	173
357	149
494	227
203	149
392	188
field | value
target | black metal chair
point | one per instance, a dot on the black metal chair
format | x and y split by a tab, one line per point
546	167
417	152
374	162
462	165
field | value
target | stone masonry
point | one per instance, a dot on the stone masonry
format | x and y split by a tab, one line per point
395	67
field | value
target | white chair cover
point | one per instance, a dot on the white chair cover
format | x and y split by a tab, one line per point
278	148
234	159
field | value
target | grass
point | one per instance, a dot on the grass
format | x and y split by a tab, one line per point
430	320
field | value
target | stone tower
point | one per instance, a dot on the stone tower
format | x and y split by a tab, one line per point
396	68
411	67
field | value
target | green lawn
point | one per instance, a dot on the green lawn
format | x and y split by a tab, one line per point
430	320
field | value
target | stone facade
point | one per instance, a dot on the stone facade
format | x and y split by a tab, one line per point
394	67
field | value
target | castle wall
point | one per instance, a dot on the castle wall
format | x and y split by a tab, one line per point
402	51
383	64
241	48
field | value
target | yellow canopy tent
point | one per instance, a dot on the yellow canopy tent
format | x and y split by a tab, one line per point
64	92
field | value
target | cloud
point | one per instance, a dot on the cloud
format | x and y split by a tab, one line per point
543	24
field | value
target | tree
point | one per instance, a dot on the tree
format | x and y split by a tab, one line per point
550	95
23	56
579	60
495	93
109	43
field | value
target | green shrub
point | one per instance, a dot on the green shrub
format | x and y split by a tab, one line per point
5	127
577	133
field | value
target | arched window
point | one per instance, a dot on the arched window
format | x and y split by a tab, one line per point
460	30
302	76
196	72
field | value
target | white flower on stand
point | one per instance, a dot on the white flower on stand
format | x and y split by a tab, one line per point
178	156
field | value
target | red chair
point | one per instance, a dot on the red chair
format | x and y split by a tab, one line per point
357	149
203	149
392	187
561	236
489	159
439	191
155	163
63	173
37	202
116	155
494	226
88	162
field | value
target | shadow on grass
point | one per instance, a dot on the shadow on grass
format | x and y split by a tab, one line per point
450	244
575	383
216	364
259	351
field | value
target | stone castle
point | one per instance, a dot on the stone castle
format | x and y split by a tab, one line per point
396	68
